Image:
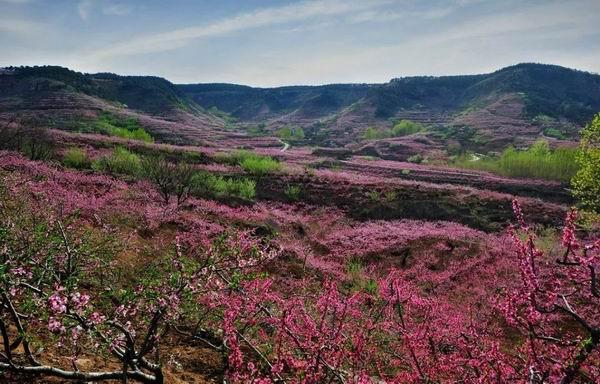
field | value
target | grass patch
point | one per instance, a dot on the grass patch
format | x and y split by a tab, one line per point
76	158
112	125
536	162
250	162
290	133
121	161
401	128
205	184
293	192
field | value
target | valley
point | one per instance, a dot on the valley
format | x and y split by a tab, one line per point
302	234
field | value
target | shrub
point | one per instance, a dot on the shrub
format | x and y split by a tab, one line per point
250	162
415	159
204	184
401	128
36	143
260	166
128	128
76	158
406	127
374	196
586	183
372	133
121	161
170	178
293	192
291	133
536	162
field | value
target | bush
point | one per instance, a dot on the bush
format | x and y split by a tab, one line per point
291	133
250	162
170	178
36	143
260	166
293	192
76	158
372	133
415	159
127	128
536	162
204	184
121	161
401	128
406	127
586	183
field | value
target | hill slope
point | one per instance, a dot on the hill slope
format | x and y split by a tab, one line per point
512	106
520	101
60	98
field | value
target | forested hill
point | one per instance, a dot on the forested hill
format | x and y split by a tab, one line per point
514	104
550	90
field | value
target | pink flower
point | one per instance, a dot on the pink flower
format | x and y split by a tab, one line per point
79	301
58	303
55	326
95	318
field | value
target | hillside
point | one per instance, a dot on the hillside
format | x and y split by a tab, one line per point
231	258
488	112
60	98
509	106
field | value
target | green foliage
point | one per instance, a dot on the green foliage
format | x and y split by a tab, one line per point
555	133
260	166
357	280
418	158
193	157
127	128
250	162
36	143
390	196
293	192
374	196
586	183
536	162
291	133
222	115
372	133
206	184
121	161
170	178
401	128
406	127
76	158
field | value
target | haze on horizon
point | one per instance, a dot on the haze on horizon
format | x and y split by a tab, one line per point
270	43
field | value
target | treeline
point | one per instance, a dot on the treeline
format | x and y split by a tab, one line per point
539	161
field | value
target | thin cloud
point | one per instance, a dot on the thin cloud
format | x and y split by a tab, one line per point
117	9
261	18
84	8
20	27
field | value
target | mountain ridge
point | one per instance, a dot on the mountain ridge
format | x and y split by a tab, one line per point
510	106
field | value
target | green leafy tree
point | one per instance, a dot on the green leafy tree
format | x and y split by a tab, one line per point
586	183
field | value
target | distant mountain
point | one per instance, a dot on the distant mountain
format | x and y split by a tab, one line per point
516	102
514	105
60	98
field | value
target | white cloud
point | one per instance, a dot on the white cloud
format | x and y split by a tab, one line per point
117	9
261	18
84	8
15	1
20	27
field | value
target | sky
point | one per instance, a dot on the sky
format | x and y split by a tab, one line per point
272	43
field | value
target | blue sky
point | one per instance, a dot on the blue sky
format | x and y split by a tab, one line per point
269	43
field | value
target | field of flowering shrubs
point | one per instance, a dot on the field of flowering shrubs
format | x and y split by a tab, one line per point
358	274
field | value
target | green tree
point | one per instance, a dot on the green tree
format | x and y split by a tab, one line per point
586	183
406	127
